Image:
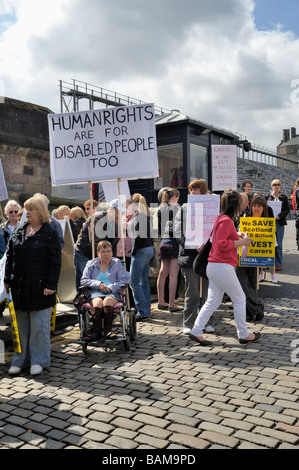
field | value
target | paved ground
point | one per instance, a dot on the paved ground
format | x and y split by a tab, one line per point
166	392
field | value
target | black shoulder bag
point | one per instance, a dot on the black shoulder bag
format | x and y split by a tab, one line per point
201	260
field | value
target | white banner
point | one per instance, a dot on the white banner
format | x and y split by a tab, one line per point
3	189
103	144
224	167
276	207
3	293
202	212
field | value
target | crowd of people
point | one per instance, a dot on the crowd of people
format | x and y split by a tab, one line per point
116	245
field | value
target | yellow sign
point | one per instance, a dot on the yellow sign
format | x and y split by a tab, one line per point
261	231
53	316
14	324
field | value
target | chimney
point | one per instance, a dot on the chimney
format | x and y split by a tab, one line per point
286	135
293	132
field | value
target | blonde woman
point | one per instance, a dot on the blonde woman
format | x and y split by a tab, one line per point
78	217
32	272
64	211
142	251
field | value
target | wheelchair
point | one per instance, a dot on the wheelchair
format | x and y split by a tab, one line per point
124	321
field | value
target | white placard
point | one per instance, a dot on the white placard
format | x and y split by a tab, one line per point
111	190
105	144
3	293
202	212
276	207
224	167
3	189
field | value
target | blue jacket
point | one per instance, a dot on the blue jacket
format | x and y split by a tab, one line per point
116	272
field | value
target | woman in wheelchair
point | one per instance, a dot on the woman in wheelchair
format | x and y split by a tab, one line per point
103	276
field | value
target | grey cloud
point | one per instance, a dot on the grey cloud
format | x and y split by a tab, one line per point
126	38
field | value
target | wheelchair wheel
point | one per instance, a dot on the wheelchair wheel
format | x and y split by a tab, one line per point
132	326
82	325
127	343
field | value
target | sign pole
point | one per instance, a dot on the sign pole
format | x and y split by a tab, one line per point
120	222
120	215
92	220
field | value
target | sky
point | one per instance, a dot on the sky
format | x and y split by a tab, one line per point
230	63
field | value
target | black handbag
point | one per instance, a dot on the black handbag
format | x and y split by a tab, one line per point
201	260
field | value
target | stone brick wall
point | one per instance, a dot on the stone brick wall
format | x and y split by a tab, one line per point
24	148
26	170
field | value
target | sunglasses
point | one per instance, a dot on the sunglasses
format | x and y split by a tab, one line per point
13	212
276	184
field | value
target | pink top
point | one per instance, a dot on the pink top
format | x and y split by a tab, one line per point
224	236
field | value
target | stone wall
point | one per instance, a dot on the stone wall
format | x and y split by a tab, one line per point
24	148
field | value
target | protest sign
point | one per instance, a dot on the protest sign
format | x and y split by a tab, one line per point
202	211
3	293
104	144
276	207
67	282
3	189
261	231
111	190
224	167
14	324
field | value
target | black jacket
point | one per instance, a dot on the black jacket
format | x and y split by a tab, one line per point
285	208
166	216
103	230
33	264
139	229
186	255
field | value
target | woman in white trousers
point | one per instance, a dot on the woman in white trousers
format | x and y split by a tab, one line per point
221	273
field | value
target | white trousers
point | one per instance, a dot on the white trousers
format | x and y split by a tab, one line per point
223	278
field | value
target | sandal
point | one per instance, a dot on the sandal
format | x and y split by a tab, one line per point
246	341
162	307
200	341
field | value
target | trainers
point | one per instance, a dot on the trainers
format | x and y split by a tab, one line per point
209	329
139	317
36	369
186	331
14	370
274	279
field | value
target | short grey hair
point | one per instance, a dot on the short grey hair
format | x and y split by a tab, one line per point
11	203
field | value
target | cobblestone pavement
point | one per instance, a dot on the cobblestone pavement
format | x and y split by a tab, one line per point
166	392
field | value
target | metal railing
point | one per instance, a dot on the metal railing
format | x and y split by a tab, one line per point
72	93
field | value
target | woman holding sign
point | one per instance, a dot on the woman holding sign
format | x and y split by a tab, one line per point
281	222
222	261
32	272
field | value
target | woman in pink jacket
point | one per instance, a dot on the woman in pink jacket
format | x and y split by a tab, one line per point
222	261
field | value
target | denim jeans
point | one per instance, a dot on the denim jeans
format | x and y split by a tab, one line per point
80	262
278	248
140	285
34	330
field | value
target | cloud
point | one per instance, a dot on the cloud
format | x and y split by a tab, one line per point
207	59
